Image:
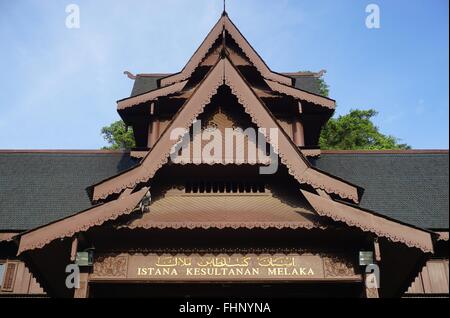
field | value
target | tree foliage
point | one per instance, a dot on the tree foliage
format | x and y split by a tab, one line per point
357	131
323	87
117	136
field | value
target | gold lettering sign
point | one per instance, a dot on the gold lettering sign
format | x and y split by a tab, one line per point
225	267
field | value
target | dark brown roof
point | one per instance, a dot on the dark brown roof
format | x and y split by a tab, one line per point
63	151
149	82
41	186
80	222
394	151
407	185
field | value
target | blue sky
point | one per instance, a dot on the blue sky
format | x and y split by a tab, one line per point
58	86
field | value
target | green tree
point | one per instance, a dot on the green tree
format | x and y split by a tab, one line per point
323	87
117	136
357	131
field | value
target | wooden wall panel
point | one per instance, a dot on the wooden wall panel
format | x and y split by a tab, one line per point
35	288
417	286
433	279
22	281
438	274
18	280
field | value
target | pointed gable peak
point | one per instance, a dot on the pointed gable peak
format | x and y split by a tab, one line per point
225	24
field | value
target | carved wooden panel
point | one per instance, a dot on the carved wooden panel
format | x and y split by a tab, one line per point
336	266
372	293
9	276
110	266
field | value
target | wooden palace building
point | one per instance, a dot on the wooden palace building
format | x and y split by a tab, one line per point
166	220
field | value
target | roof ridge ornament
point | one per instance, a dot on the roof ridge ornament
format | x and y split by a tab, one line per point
224	43
130	75
308	73
224	8
321	73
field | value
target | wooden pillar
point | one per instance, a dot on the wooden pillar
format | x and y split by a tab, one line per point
374	292
149	135
83	291
153	132
299	136
74	249
371	292
376	248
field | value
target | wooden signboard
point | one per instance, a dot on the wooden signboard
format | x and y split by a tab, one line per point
221	267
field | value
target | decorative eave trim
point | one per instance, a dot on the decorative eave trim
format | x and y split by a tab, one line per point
443	236
138	154
225	225
7	236
306	152
249	51
370	222
225	73
149	96
302	95
310	152
81	222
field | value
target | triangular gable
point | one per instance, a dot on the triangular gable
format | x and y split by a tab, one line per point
277	82
371	222
225	23
80	222
224	73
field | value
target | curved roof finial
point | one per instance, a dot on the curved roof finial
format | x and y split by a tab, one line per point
130	75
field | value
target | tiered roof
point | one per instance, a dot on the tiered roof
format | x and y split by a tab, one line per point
225	58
